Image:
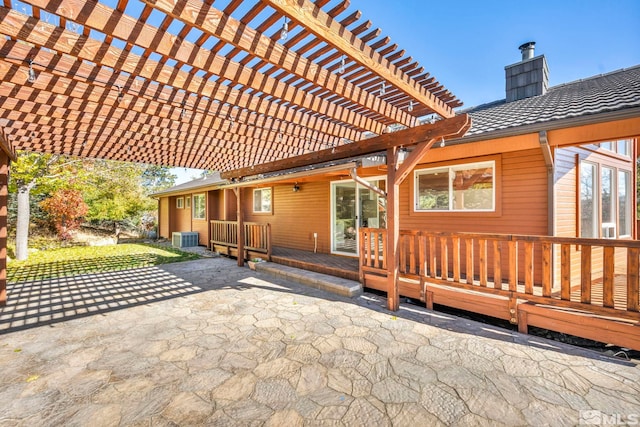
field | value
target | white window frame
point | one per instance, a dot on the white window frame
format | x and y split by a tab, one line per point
611	229
194	206
595	196
450	170
614	146
628	206
262	204
179	202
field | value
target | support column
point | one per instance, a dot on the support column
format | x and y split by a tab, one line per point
240	220
393	231
4	192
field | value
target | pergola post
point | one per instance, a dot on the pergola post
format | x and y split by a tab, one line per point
393	231
240	220
396	174
4	192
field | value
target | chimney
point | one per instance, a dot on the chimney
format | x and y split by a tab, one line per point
529	77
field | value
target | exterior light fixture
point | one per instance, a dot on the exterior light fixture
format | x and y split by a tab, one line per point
410	106
383	88
32	74
296	187
120	96
284	32
341	69
442	144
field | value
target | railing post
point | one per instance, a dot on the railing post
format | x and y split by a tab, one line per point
608	276
546	269
468	244
240	229
497	264
633	278
269	248
585	275
528	268
482	260
455	243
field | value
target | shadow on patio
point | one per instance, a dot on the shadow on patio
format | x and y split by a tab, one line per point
90	265
38	303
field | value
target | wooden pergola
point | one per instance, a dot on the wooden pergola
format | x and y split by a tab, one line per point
233	86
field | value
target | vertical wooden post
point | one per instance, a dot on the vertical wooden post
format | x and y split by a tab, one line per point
393	231
240	219
4	192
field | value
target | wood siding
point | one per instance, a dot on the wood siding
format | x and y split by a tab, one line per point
521	203
215	204
163	218
182	218
521	200
296	216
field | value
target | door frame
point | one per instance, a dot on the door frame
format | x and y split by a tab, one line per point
358	208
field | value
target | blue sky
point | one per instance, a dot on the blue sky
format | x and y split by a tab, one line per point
466	44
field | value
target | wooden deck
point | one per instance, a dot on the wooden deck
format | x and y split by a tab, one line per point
511	277
335	265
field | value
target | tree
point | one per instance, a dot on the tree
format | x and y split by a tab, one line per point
65	208
114	191
38	173
157	178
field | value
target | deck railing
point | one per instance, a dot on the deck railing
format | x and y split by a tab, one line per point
599	275
257	237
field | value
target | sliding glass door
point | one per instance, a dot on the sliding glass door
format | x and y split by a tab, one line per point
354	206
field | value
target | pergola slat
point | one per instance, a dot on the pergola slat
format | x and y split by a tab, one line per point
234	32
170	85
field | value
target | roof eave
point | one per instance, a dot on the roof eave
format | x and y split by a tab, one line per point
585	119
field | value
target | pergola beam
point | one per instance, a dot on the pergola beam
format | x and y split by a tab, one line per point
328	29
226	28
102	18
452	128
46	35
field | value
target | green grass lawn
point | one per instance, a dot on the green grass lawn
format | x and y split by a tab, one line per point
47	264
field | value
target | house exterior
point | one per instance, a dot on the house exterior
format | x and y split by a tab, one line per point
556	161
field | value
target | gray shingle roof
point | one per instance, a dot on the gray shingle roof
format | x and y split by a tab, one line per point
208	181
614	91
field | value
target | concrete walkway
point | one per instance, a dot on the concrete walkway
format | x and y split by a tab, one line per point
208	343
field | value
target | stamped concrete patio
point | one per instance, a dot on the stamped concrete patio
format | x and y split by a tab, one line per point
208	343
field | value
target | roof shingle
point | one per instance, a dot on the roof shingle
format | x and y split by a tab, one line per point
613	91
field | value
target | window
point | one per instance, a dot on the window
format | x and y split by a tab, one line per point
624	203
198	206
608	211
188	201
262	200
605	201
469	187
621	147
588	202
180	202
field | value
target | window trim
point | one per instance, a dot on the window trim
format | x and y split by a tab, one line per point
253	198
629	207
187	202
179	202
194	205
493	161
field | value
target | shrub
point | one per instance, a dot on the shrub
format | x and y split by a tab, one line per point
66	208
